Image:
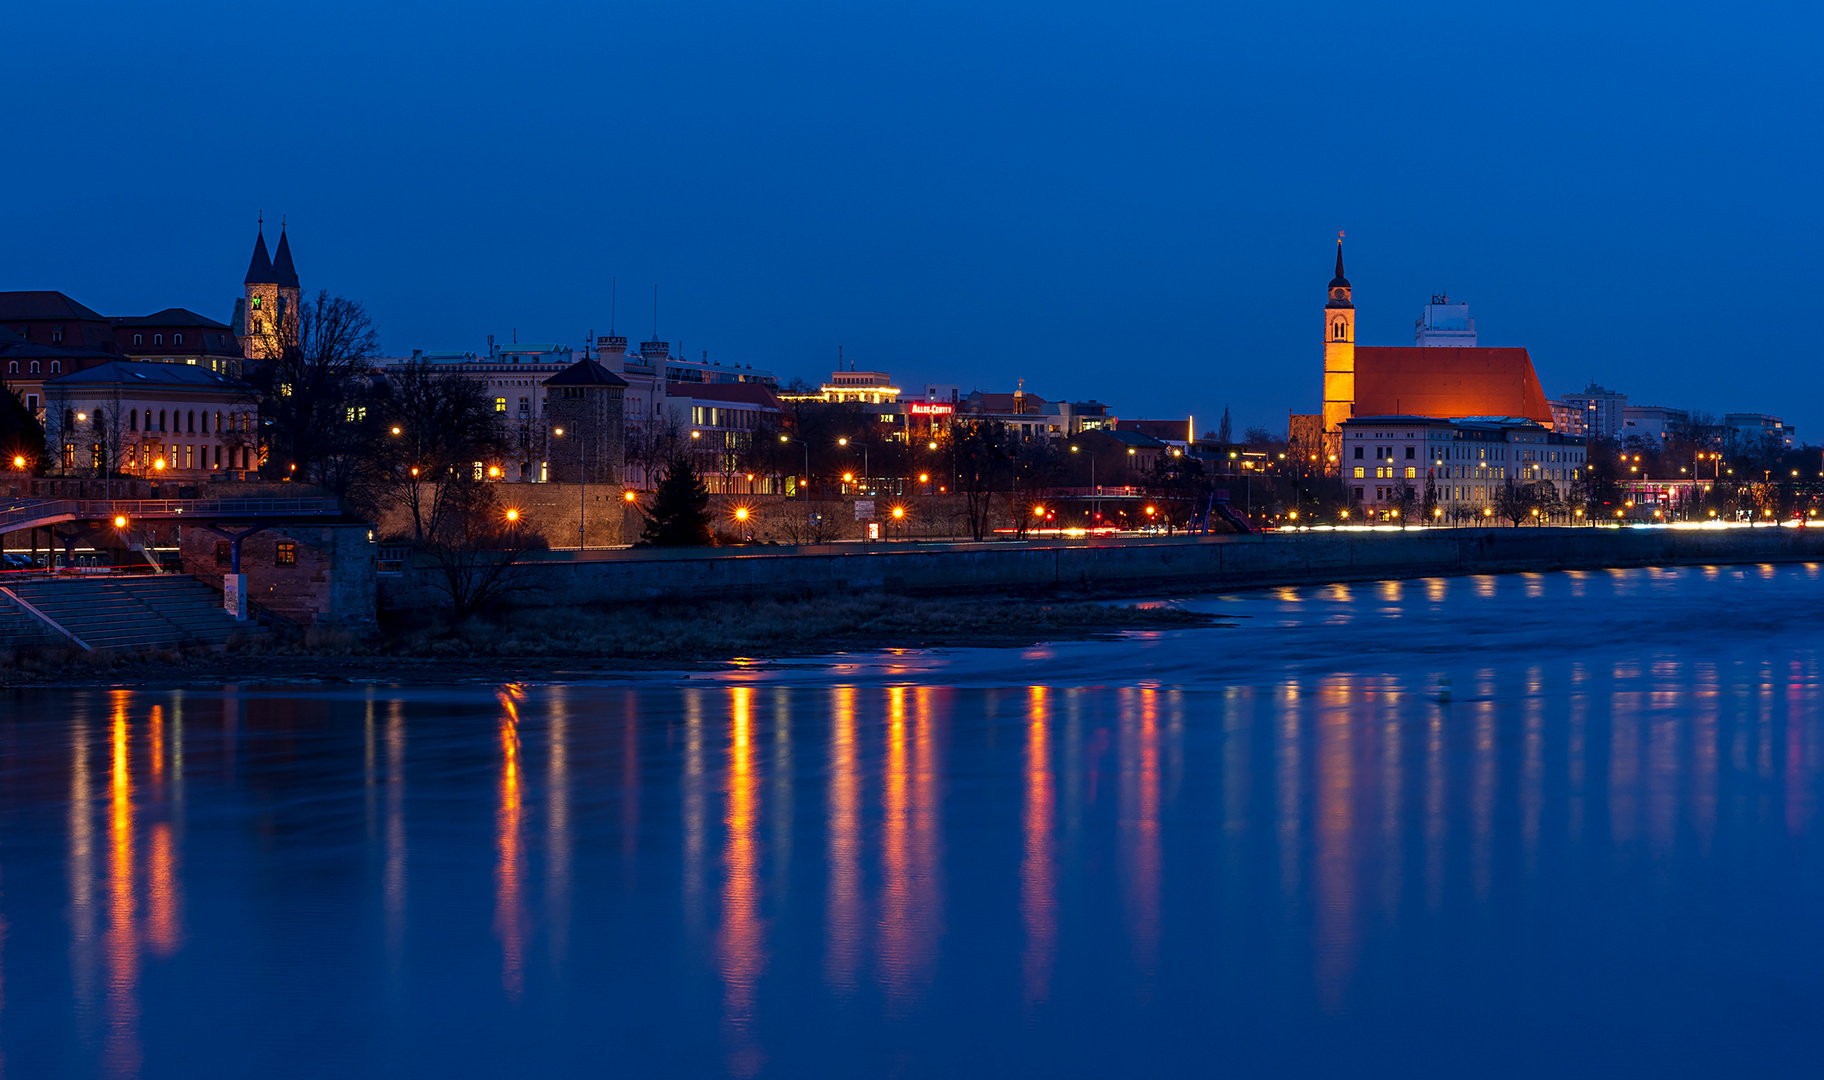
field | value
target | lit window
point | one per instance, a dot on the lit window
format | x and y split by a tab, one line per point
287	554
500	404
1359	471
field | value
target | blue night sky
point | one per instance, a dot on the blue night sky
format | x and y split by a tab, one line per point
1136	203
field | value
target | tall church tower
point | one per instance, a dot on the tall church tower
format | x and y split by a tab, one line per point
266	318
1339	349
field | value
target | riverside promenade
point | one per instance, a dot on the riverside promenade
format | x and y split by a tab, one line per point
1128	565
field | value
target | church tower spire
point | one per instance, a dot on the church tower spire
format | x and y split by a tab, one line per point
1339	348
266	317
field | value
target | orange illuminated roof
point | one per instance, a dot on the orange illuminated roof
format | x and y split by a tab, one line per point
1447	382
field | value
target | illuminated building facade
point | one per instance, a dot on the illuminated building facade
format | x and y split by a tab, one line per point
1468	462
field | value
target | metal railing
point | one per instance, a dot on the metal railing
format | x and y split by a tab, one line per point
22	513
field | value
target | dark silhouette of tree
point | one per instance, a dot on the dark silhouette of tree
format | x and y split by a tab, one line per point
446	425
1225	431
679	516
475	554
21	436
1428	510
306	391
981	451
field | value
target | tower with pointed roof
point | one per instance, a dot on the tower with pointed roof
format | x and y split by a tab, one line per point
1339	349
266	317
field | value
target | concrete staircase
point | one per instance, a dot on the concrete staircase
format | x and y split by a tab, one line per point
130	612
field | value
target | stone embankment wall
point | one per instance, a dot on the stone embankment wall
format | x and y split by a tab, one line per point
562	578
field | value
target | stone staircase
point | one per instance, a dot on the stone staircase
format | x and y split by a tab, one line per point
125	612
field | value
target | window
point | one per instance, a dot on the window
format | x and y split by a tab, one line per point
525	405
500	404
190	456
139	339
34	367
57	335
192	423
1358	453
1411	473
132	419
69	455
56	366
177	339
218	455
223	556
256	303
1411	452
1358	472
101	454
158	339
218	423
287	554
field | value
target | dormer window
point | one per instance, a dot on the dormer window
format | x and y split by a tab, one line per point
56	335
56	366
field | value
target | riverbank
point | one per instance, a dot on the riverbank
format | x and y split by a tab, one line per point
547	644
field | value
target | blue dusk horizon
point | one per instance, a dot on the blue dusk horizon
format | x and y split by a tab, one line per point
1134	204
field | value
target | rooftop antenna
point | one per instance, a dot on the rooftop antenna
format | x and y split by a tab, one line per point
586	342
655	313
614	298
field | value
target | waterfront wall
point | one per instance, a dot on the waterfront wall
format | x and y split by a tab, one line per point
1205	563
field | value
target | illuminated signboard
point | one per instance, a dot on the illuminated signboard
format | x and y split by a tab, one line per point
932	410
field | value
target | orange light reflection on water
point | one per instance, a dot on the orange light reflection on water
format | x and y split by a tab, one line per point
509	871
740	945
1038	867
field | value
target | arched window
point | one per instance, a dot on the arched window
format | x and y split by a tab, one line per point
158	339
139	339
34	367
148	419
177	339
12	367
218	423
193	423
161	419
56	366
132	419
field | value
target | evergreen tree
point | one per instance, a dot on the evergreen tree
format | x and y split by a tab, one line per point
1225	431
680	509
21	436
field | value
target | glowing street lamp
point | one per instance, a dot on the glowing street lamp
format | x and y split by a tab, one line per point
18	461
740	513
512	516
630	495
120	521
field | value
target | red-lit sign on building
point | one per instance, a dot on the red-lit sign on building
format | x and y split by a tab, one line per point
919	409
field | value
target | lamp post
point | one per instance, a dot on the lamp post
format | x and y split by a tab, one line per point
582	492
807	456
844	441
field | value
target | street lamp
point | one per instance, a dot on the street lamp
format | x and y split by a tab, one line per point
582	492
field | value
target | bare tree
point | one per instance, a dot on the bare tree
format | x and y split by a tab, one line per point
981	452
317	370
446	428
476	553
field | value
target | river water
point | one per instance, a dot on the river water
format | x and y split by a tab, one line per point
1511	826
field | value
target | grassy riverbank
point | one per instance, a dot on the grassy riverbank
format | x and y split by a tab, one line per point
557	643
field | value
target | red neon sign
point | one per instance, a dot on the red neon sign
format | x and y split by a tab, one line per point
932	410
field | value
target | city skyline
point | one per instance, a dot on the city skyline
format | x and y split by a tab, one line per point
990	199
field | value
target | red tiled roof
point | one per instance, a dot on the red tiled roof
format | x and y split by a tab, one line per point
1447	382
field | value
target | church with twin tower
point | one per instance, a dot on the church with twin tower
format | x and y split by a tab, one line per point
266	316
